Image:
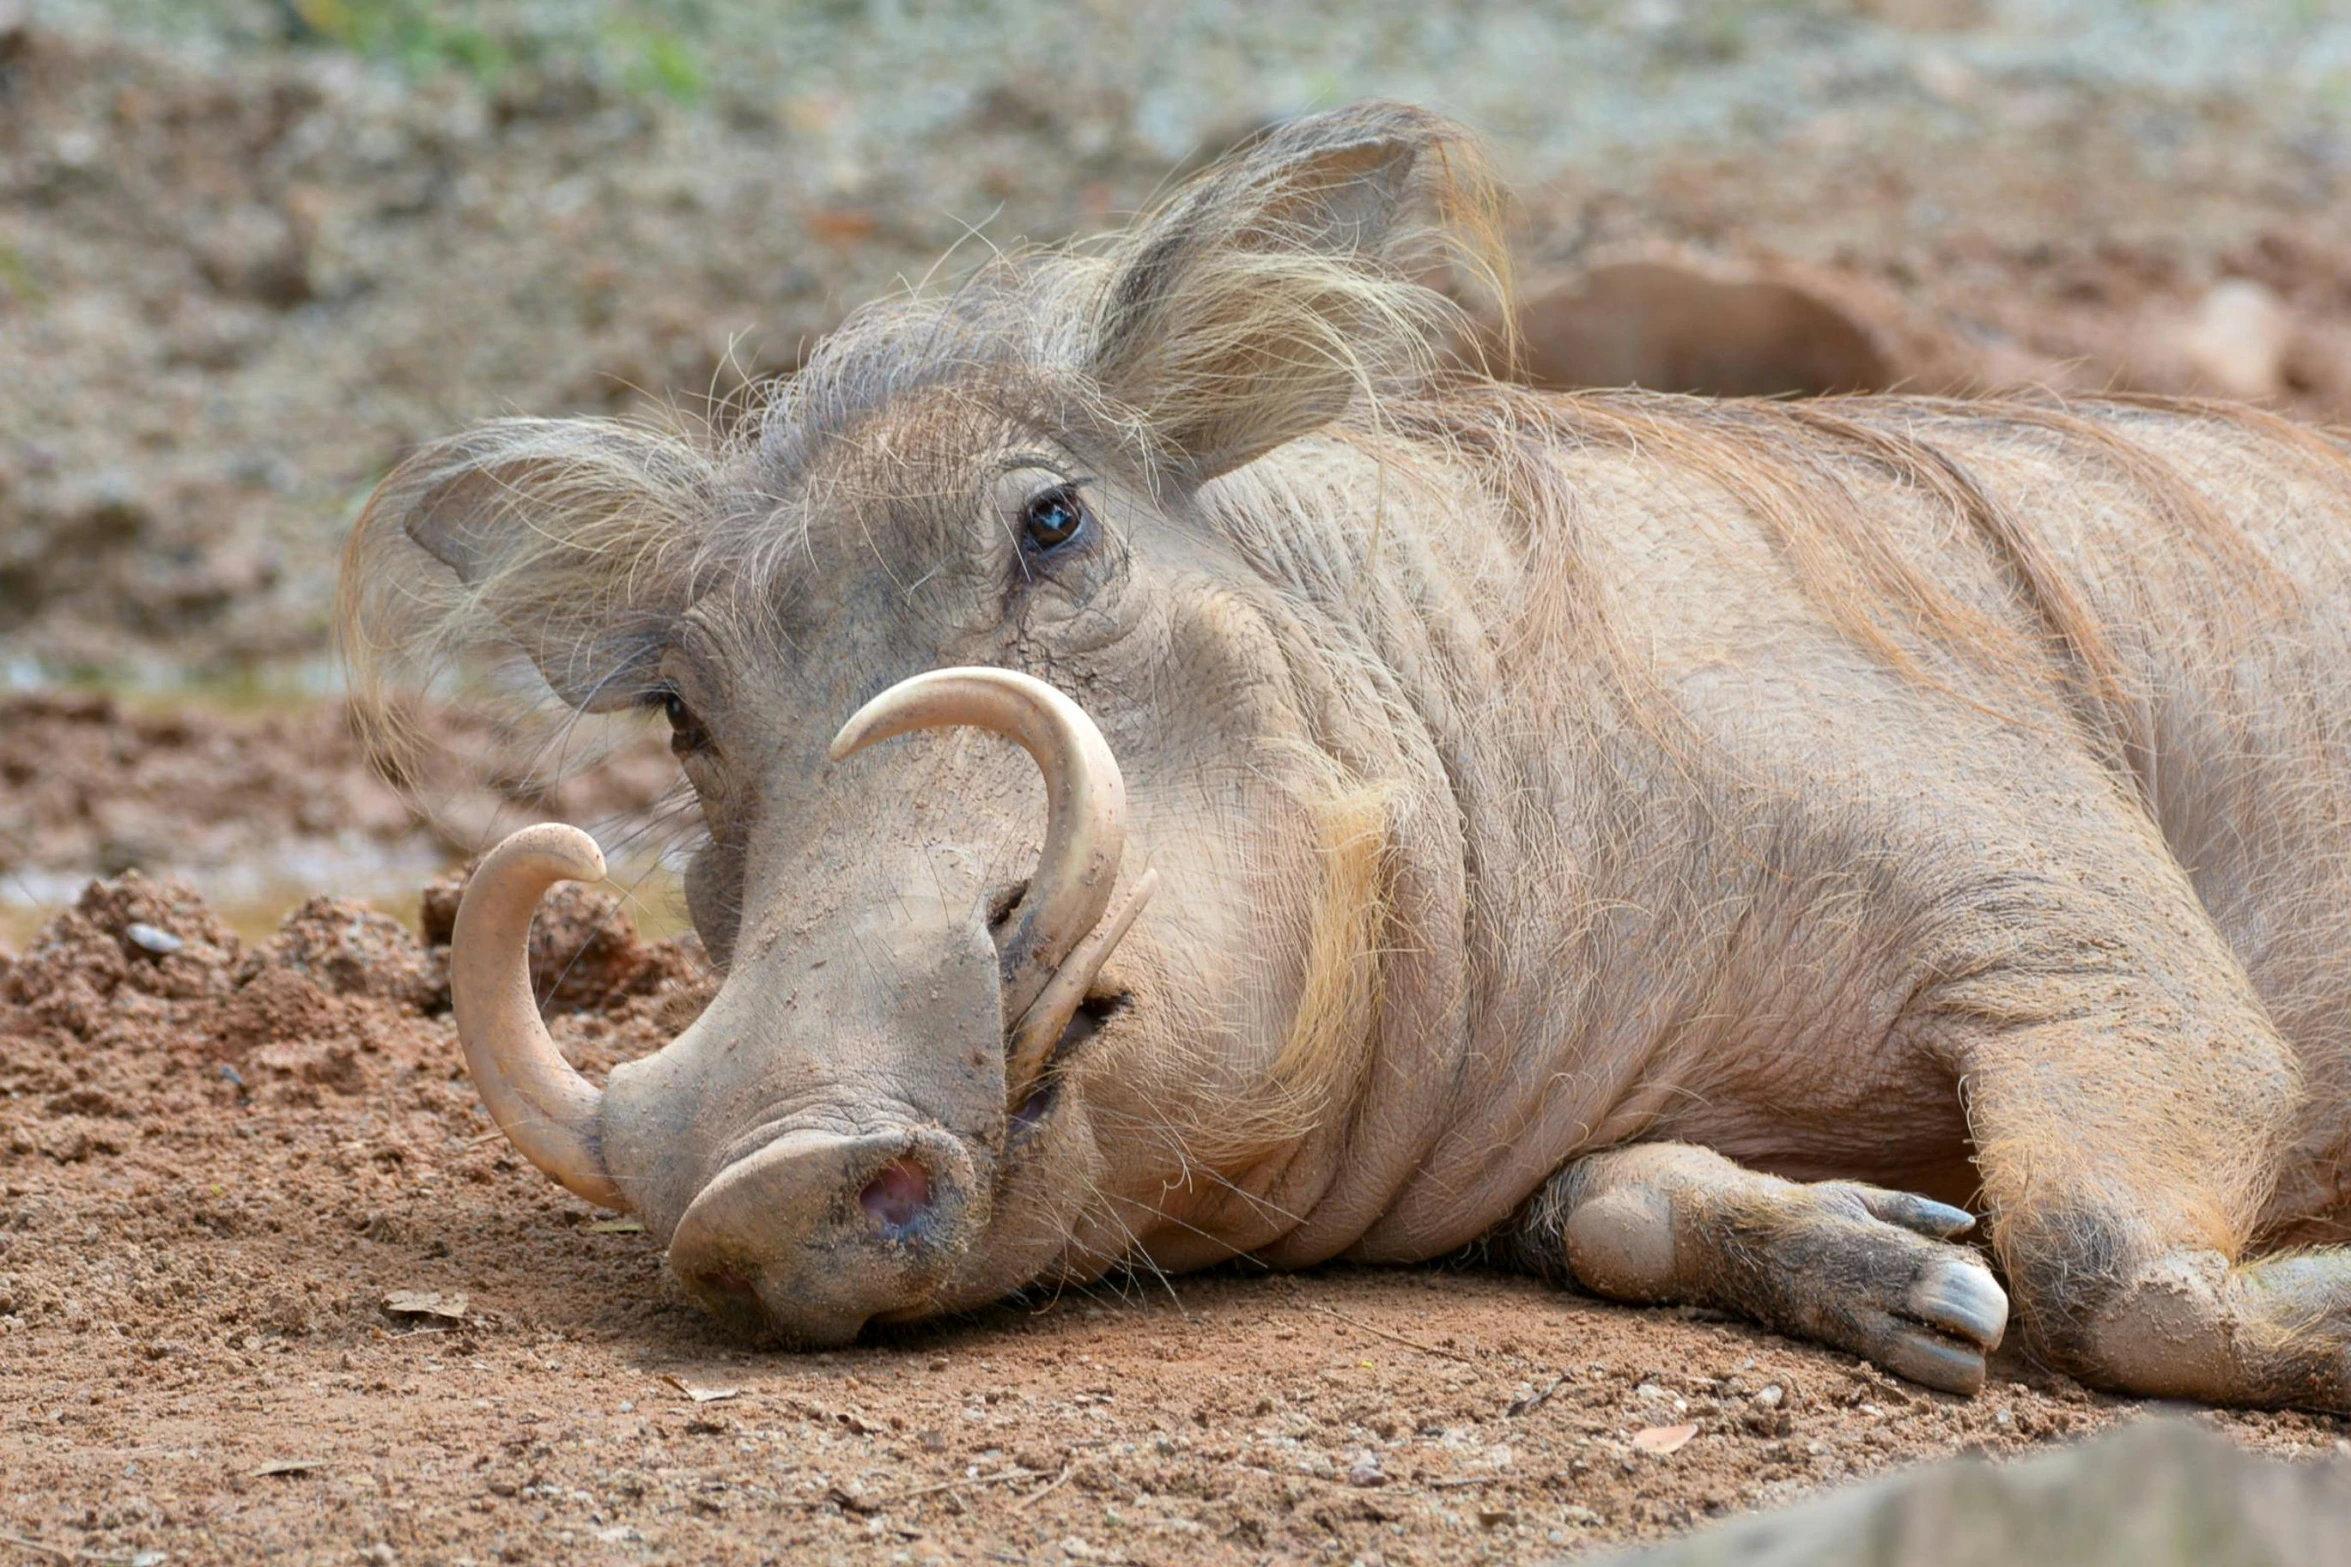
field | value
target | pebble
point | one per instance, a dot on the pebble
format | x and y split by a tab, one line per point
1770	1397
149	939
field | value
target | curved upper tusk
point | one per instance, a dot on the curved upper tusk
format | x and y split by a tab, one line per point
544	1107
1085	825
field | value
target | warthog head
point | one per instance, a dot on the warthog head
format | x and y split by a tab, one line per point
963	1044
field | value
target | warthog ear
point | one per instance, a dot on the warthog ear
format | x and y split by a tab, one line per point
567	538
1270	293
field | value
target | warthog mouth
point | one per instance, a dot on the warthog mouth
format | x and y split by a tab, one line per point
1094	1013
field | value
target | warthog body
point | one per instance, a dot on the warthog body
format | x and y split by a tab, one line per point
1644	835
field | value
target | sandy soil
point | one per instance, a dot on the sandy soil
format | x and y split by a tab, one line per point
270	1285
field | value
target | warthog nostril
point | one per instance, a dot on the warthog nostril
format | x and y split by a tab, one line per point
898	1196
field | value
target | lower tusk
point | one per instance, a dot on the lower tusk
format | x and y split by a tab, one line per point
546	1109
1033	1037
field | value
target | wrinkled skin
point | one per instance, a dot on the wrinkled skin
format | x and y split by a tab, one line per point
1708	854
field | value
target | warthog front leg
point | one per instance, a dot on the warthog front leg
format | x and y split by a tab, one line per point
2134	1108
1856	1267
2123	1218
2187	1324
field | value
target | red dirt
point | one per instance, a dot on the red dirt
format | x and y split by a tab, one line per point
216	1164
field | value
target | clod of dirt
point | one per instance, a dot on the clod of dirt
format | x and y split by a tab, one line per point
584	951
351	950
71	976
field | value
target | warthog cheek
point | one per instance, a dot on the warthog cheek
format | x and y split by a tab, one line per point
897	1196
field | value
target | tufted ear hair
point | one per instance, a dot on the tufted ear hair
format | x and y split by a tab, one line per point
1273	291
570	539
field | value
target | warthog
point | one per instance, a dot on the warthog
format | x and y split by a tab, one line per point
1647	838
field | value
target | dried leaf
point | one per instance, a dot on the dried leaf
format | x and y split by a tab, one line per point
290	1466
616	1227
1663	1439
450	1304
701	1395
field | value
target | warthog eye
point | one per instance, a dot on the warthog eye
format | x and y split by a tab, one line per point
686	734
1054	517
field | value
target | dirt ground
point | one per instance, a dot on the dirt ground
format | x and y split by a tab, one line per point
263	809
270	1286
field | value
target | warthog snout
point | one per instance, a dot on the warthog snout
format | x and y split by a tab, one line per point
821	1148
817	1233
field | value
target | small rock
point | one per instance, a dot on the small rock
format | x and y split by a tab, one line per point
148	938
1366	1471
1770	1397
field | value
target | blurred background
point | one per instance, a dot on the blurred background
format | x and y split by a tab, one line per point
253	250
